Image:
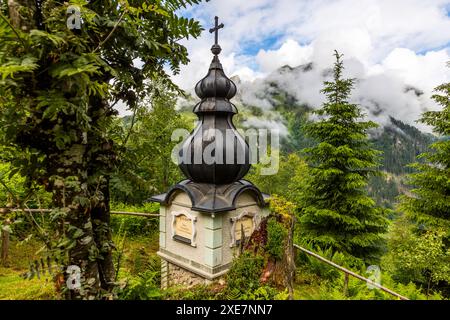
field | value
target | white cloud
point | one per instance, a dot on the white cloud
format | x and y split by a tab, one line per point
257	123
383	90
379	38
424	71
290	53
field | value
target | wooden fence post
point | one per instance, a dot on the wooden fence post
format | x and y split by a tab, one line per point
5	243
346	285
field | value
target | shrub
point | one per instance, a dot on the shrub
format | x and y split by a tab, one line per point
245	272
276	238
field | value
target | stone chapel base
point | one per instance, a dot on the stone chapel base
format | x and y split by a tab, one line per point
174	275
196	244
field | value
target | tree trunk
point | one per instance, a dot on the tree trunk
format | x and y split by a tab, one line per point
346	278
70	193
82	255
100	215
429	286
68	175
279	272
102	163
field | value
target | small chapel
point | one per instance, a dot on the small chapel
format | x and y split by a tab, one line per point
204	217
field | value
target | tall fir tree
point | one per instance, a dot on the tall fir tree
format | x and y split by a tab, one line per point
429	203
336	210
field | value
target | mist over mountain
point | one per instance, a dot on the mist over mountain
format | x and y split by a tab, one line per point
285	98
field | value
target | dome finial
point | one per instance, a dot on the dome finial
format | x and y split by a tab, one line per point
215	49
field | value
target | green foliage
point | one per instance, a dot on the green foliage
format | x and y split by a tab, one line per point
146	285
197	292
245	273
13	186
146	167
288	181
265	293
336	211
319	268
420	258
429	203
358	290
134	226
146	207
276	238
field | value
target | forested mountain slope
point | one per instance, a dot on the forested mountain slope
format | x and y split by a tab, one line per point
276	103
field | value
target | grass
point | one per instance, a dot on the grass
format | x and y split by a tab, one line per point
136	253
307	286
14	287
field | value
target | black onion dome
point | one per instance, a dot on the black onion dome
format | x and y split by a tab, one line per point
215	113
215	90
216	84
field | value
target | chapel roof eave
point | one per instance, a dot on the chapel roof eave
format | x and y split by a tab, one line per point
211	198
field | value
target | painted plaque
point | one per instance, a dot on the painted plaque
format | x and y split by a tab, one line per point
246	223
183	227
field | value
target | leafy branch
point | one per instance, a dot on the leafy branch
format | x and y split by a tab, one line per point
112	31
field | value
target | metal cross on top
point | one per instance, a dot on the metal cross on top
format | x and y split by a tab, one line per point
216	28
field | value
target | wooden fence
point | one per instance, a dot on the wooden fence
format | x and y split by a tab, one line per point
349	273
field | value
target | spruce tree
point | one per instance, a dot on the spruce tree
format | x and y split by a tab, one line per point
429	203
336	211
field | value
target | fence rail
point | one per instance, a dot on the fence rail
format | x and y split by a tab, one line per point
140	214
351	273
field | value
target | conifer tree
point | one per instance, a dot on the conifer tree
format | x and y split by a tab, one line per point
336	211
429	204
